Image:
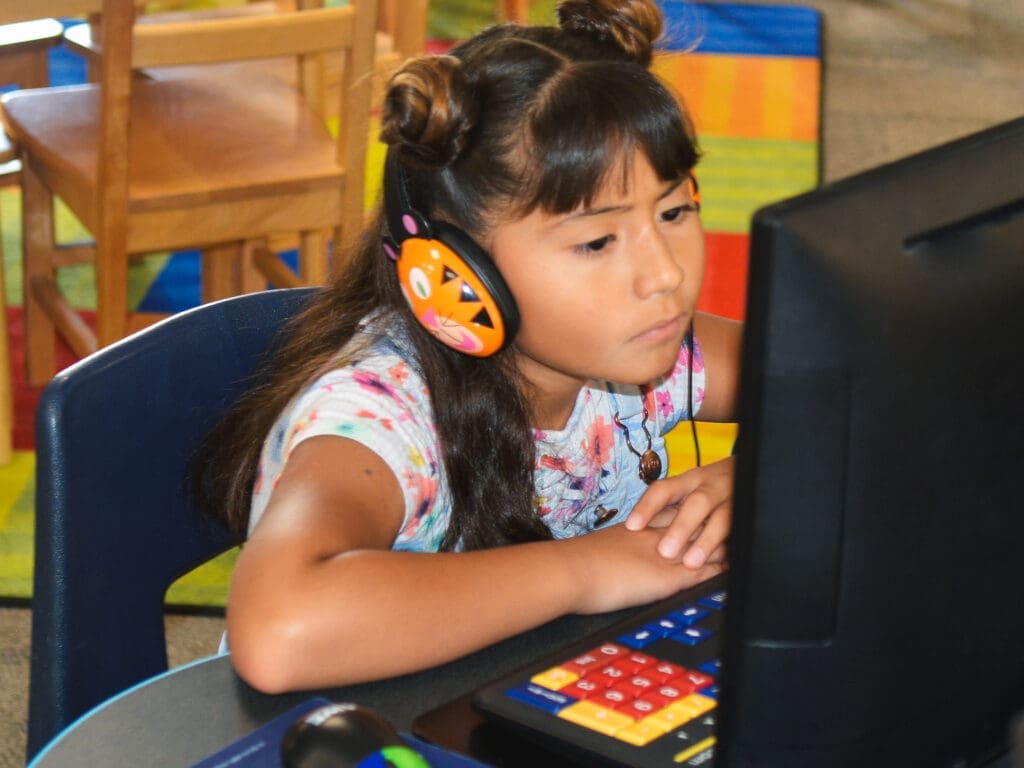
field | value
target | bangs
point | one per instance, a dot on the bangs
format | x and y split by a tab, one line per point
590	120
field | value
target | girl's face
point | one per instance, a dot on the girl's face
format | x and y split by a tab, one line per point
606	291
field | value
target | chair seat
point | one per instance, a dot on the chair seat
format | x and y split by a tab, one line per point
238	142
30	35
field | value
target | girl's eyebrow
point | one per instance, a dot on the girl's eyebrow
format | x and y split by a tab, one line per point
670	187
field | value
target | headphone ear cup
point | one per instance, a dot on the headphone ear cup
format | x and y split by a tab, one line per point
453	287
457	294
480	264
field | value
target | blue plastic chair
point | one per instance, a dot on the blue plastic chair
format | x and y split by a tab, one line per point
114	524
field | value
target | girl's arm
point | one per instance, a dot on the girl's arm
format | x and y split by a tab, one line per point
720	340
318	598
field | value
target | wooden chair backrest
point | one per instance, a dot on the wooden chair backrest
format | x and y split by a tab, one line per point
285	33
23	10
405	21
128	45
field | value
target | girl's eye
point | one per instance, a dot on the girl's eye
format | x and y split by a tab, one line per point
673	214
594	246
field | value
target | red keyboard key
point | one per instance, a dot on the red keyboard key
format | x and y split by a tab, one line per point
584	688
691	680
611	698
665	694
638	709
586	663
609	651
635	662
609	676
664	671
636	686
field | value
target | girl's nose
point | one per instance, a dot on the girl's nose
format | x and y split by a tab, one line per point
657	269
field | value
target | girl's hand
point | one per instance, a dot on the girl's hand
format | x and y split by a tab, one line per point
613	568
694	510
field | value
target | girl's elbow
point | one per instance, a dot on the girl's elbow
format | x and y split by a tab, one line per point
267	655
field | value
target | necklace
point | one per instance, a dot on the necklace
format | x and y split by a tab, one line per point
650	462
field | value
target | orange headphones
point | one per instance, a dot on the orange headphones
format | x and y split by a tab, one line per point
452	285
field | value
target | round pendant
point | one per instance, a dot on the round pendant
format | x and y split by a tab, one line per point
650	466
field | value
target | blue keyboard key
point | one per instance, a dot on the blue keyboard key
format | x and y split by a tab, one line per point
639	639
540	697
713	667
689	614
664	626
714	600
692	635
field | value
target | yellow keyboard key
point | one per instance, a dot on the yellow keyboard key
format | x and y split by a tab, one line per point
694	704
672	716
642	732
555	679
596	718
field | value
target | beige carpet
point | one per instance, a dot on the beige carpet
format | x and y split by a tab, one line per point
900	75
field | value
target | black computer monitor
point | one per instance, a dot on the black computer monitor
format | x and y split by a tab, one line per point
876	609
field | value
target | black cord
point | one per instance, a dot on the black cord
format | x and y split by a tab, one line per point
689	387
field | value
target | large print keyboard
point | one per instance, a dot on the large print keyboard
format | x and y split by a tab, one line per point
643	693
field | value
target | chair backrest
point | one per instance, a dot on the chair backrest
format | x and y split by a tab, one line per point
114	523
405	22
303	33
23	10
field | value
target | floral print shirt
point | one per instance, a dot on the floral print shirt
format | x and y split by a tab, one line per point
581	471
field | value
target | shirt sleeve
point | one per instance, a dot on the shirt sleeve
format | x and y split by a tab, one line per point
381	403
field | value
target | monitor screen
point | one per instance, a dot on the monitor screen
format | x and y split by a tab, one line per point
876	614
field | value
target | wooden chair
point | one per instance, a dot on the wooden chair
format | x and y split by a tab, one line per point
516	11
24	48
24	62
401	34
404	24
152	165
9	174
250	265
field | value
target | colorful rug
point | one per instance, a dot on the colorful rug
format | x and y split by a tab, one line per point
750	76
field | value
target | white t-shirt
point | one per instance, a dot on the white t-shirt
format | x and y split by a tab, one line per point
378	399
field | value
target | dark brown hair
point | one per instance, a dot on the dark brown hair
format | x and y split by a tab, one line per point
514	119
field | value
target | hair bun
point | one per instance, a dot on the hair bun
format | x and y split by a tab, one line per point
429	111
633	26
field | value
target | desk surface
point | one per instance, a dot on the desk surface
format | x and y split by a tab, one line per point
181	717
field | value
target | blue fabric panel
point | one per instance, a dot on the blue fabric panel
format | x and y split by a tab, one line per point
757	30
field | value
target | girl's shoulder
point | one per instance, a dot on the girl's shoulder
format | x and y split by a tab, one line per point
375	364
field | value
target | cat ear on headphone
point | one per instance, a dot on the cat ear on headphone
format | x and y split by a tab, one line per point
410	224
415	225
391	248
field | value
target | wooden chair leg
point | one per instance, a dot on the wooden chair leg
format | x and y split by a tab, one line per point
111	292
250	279
6	382
313	260
516	11
37	259
219	267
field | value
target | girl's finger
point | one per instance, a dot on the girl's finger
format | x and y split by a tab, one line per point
662	494
715	529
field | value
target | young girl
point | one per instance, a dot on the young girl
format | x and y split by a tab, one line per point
461	438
